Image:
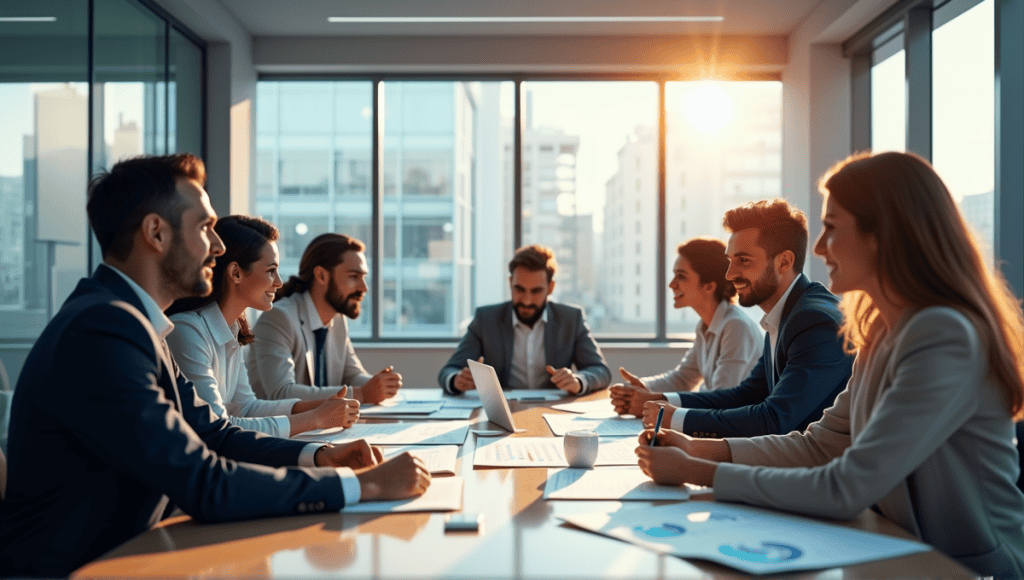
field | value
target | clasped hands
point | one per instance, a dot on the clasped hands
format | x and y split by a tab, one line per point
562	378
637	400
400	477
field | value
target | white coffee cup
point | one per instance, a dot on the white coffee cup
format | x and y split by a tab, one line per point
581	448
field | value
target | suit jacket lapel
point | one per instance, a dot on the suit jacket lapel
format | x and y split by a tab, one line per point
802	283
306	330
116	284
550	337
507	334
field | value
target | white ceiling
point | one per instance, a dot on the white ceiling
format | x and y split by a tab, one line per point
309	17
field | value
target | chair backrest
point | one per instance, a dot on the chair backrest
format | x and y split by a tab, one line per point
1020	454
3	474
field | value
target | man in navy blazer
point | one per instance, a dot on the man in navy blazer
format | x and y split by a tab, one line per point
106	435
530	341
803	366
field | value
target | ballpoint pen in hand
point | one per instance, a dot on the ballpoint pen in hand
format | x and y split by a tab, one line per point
657	426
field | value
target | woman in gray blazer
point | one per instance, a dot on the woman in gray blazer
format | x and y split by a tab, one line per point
924	431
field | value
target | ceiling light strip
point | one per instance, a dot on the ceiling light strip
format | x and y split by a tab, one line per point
28	19
515	19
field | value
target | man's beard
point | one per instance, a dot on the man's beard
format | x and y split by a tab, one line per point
179	273
347	305
533	318
760	290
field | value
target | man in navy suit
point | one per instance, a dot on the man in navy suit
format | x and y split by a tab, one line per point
105	432
803	366
530	341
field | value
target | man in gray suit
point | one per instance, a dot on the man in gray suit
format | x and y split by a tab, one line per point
530	342
302	349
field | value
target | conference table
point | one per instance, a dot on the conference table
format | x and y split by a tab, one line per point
521	537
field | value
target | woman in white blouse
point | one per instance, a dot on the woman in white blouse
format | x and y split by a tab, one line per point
924	431
209	333
728	343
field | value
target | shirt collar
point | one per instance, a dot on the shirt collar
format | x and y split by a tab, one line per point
214	317
314	317
543	317
770	322
161	324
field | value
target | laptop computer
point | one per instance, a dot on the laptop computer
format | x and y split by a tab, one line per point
491	396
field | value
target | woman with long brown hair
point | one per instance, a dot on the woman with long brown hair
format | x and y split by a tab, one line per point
210	332
924	431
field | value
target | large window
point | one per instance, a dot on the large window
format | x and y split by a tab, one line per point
146	97
889	96
588	163
444	190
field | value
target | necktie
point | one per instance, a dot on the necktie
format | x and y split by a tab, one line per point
320	377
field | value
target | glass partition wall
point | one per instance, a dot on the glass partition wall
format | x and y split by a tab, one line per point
145	96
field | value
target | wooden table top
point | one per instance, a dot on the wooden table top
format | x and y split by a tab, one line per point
520	538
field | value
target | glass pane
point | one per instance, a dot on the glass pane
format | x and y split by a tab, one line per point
130	89
889	101
43	161
313	145
185	95
447	201
724	149
963	109
590	183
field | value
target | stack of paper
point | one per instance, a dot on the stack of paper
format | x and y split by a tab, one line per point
447	433
439	459
443	495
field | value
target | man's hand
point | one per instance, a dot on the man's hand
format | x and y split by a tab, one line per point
565	380
383	385
650	414
464	380
633	379
400	477
630	400
356	455
337	411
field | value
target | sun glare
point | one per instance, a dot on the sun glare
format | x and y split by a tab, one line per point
708	107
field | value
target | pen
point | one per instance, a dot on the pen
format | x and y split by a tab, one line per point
657	426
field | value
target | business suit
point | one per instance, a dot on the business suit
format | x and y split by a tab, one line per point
785	392
567	341
281	357
105	432
922	433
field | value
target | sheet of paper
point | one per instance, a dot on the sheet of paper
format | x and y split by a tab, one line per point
443	495
600	406
754	540
439	459
419	433
605	426
388	408
444	414
460	403
615	483
545	452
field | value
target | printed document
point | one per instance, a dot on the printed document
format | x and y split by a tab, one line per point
439	459
443	495
600	406
444	433
616	483
754	540
546	452
604	425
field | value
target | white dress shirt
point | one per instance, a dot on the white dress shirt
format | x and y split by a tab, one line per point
163	326
723	354
208	354
528	361
770	322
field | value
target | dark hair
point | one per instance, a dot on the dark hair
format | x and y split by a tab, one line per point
134	188
326	251
707	258
244	238
534	258
927	256
780	227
